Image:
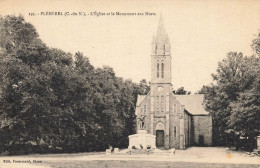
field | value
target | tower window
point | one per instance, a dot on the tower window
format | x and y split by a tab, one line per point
162	100
155	49
162	70
157	104
158	68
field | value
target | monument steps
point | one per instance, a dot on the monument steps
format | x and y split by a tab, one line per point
142	152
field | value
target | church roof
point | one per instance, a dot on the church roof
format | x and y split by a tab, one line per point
193	103
140	98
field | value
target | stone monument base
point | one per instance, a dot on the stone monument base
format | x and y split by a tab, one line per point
141	140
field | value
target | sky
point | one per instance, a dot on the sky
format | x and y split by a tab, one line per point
201	33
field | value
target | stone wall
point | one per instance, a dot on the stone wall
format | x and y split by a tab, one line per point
176	112
187	129
202	130
181	128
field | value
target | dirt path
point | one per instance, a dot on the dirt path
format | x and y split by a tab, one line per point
194	155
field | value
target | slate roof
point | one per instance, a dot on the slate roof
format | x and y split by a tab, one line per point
193	103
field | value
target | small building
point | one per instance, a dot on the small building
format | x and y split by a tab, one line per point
177	121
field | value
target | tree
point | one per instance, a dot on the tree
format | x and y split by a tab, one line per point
219	96
39	86
145	88
21	55
234	98
49	99
203	90
181	91
245	115
15	31
256	45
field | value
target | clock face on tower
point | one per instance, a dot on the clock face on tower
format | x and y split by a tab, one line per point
160	88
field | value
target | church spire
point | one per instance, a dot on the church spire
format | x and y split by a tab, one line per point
161	29
161	56
161	44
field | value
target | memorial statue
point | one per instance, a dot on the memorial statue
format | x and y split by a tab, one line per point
142	123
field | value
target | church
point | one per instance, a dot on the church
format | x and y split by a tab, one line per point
177	121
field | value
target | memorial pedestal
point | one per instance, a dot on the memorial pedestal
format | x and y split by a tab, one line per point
141	140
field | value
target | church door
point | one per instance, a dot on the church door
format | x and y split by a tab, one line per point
159	138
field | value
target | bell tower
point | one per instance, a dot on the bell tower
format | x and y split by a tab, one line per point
160	68
161	56
161	86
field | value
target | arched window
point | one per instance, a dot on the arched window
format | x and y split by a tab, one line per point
162	103
155	49
158	68
162	70
144	109
162	99
157	104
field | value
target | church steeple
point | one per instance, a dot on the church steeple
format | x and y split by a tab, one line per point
161	44
161	55
161	30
